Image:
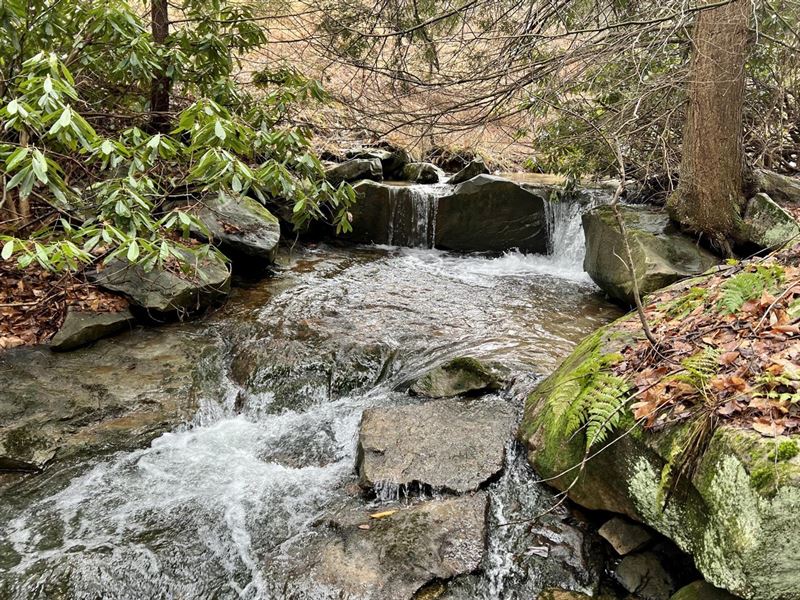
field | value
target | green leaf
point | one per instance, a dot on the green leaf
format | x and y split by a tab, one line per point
8	250
133	251
219	131
16	157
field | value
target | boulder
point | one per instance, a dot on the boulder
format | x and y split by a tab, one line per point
491	214
392	214
393	556
473	169
161	290
422	172
701	590
105	397
661	253
737	516
392	159
462	375
645	576
355	169
625	537
766	224
241	227
453	445
84	327
779	187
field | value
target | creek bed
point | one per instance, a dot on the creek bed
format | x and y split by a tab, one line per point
223	505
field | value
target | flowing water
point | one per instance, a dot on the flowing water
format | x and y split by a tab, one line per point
223	506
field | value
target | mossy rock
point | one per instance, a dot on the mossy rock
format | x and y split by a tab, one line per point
701	590
661	254
738	517
459	376
766	224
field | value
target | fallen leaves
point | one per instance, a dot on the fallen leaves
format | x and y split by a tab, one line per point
33	303
755	381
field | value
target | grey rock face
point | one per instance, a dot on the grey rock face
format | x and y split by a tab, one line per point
625	537
491	214
392	557
392	160
643	575
84	327
462	375
766	224
161	291
473	169
779	187
454	445
422	172
661	254
355	169
241	227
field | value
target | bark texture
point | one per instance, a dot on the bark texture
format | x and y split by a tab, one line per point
160	91
710	194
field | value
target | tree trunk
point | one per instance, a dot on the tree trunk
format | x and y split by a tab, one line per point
160	89
710	194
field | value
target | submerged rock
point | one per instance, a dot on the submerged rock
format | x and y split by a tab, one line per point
462	375
241	227
117	394
737	517
422	172
454	445
766	224
473	169
162	291
661	253
84	327
491	214
392	557
355	169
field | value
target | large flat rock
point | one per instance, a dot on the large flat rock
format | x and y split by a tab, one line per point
392	557
454	445
491	214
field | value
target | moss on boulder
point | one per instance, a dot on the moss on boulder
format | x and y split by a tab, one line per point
738	517
661	253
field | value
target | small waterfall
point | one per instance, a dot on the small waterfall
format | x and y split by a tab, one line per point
566	244
413	216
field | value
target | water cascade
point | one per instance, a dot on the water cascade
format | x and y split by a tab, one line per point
413	219
228	505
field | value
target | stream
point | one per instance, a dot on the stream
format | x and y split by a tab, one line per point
227	504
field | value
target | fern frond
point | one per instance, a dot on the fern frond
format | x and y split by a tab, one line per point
606	399
749	285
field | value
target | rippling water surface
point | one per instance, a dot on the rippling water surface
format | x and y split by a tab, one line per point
220	507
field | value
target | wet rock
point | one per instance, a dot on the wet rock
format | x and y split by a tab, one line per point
161	291
737	517
393	557
241	227
115	394
778	187
661	254
700	590
454	445
84	327
462	375
473	169
625	537
422	172
766	224
391	214
392	159
491	214
643	575
355	169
